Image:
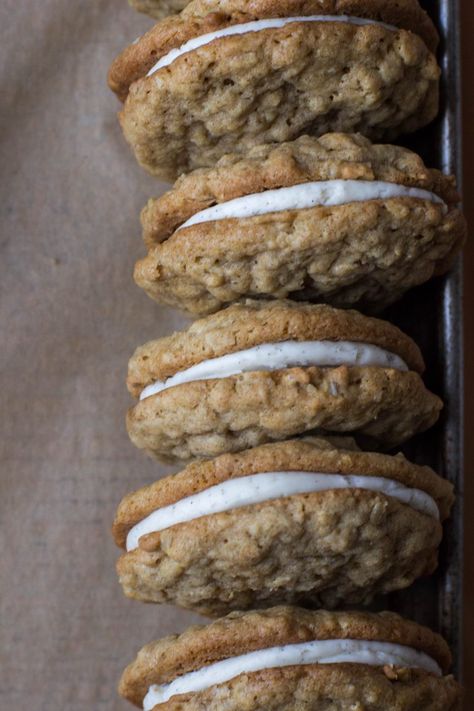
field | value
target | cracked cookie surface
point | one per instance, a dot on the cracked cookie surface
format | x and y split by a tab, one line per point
210	417
203	16
251	323
315	687
274	84
364	254
333	156
324	549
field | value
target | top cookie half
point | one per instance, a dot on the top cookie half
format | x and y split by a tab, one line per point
225	76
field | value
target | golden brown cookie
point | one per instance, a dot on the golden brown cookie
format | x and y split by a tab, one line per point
373	72
382	223
303	521
260	371
292	659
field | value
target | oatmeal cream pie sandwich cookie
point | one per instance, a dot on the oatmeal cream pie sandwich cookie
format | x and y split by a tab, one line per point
263	371
226	75
305	521
290	659
333	219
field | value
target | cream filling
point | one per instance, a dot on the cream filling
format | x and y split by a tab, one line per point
327	193
331	651
257	488
277	356
257	26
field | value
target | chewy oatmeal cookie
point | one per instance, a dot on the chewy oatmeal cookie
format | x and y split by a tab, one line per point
290	659
266	72
264	371
303	521
335	219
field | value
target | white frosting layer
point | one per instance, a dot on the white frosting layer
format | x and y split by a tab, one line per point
332	651
286	354
256	26
256	488
327	193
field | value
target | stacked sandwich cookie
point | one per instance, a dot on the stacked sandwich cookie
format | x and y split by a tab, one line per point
310	520
334	219
226	75
283	407
261	371
288	658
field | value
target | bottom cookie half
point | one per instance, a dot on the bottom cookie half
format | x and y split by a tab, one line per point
323	549
341	687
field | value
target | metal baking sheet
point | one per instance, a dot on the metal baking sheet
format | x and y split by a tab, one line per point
432	314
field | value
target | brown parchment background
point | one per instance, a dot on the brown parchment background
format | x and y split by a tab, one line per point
70	317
